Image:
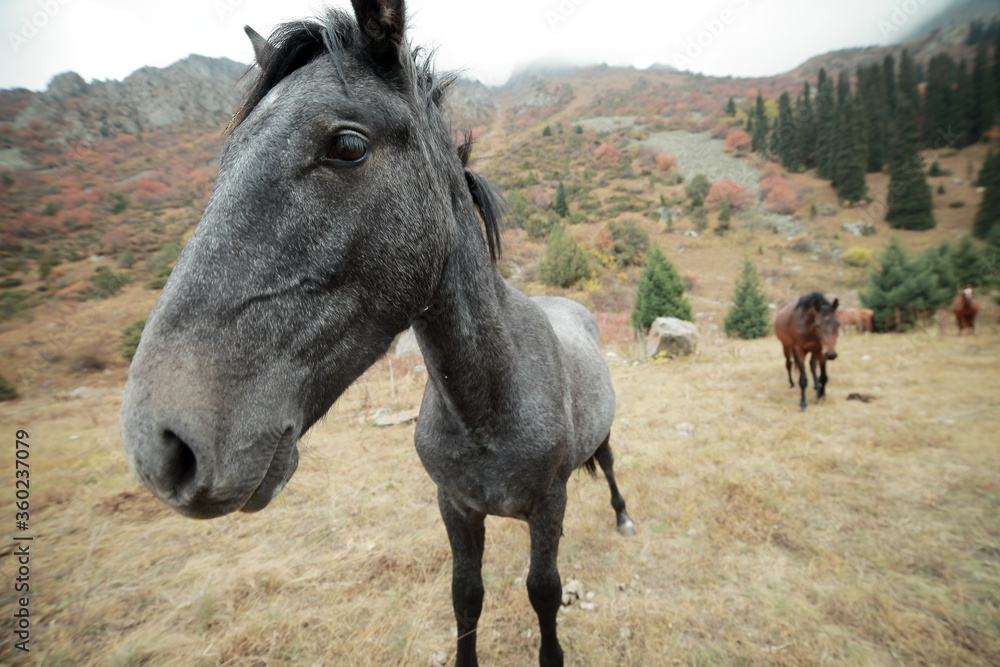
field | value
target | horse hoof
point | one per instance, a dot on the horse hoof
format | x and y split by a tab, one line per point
802	408
627	529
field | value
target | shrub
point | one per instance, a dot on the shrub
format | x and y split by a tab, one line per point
698	187
45	266
560	206
130	339
737	142
625	241
901	291
8	391
732	192
858	257
781	199
107	283
748	317
159	263
565	263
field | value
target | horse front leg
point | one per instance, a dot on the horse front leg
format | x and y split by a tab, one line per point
544	584
467	535
821	385
788	367
818	382
607	461
800	363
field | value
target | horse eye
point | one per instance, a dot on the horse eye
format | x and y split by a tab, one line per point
346	148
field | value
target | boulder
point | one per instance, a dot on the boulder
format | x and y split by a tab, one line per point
673	336
859	228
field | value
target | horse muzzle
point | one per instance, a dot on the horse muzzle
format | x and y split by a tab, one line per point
830	356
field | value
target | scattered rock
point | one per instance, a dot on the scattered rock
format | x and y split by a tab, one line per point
693	234
671	336
825	209
572	591
439	658
86	392
396	418
588	606
859	228
685	429
957	181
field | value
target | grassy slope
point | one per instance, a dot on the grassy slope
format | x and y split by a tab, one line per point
853	533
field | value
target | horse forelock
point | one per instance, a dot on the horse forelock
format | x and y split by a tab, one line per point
814	300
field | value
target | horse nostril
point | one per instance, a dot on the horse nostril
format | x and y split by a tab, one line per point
180	465
831	355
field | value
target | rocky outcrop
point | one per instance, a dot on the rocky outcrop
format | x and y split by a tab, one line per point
671	336
197	89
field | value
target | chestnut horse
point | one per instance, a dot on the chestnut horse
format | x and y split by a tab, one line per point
808	325
965	308
861	318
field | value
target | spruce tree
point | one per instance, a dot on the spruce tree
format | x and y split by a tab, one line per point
748	317
941	262
786	131
984	110
962	107
910	199
900	290
826	128
731	107
938	98
988	215
805	132
908	80
560	206
852	158
872	85
843	88
660	293
760	127
889	81
968	263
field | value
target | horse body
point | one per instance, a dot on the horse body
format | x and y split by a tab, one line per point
965	307
343	214
808	325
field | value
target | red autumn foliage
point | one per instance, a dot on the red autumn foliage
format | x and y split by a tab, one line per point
768	183
720	131
737	141
730	191
781	199
149	192
606	152
665	162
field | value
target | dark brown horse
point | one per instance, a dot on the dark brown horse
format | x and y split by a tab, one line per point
808	325
965	308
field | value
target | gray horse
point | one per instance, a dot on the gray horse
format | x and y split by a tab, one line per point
343	214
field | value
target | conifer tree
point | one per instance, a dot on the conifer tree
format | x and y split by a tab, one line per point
967	263
560	206
786	132
889	81
852	159
941	262
962	107
910	199
731	107
826	121
660	292
805	121
748	317
760	126
908	80
871	85
988	215
843	88
938	97
900	290
984	110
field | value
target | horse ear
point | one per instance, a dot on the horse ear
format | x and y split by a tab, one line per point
261	47
836	302
383	22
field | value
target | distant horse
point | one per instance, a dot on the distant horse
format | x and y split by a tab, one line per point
860	318
808	325
343	213
965	308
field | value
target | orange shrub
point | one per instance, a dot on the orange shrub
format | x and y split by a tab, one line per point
781	199
737	141
730	191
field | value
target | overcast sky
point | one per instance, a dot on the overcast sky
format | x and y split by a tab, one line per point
109	39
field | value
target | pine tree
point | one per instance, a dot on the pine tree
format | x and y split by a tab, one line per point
826	128
852	159
910	199
560	206
660	292
748	317
843	88
889	81
760	126
876	117
565	263
900	290
908	80
941	262
988	215
961	108
731	107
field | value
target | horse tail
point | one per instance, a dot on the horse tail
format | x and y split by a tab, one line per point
590	465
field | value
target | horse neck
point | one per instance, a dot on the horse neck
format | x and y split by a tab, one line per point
465	338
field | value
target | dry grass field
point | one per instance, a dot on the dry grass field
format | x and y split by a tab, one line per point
855	533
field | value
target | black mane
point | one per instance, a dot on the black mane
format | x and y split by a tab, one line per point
296	44
814	300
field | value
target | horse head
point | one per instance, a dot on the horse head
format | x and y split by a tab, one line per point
822	317
339	197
